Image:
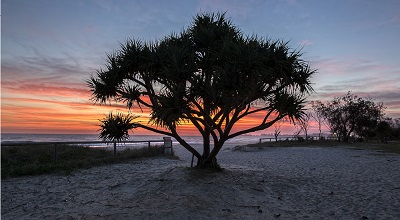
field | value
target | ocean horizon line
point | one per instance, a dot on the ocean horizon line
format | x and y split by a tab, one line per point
26	137
132	135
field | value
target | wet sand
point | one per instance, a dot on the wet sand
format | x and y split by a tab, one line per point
269	183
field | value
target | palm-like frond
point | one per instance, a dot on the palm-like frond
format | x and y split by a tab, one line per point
116	127
170	111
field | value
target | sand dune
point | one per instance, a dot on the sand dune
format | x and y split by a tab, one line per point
273	183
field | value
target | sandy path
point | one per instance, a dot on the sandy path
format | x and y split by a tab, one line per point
274	183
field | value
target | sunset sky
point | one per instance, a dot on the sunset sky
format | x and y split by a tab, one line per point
50	47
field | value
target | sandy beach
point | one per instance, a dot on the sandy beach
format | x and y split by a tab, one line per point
269	183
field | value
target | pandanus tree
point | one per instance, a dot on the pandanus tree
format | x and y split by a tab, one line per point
211	76
116	127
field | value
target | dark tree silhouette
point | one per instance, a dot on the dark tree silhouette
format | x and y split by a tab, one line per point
395	125
351	114
383	130
304	123
116	128
277	128
210	75
317	114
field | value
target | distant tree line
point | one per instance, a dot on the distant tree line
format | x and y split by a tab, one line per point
353	116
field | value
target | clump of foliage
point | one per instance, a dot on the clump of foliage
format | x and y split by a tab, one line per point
388	128
350	114
211	76
40	159
390	147
116	127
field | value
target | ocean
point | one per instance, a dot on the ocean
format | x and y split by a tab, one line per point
18	138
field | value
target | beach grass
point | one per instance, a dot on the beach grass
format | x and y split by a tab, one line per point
389	147
64	159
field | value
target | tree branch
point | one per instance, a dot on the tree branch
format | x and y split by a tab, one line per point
153	129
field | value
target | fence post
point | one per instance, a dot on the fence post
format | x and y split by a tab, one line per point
167	145
115	148
148	144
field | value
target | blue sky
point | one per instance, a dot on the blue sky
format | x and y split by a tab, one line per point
50	47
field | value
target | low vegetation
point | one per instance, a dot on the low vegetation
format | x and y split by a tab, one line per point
389	147
42	159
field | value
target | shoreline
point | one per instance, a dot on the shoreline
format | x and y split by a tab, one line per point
272	183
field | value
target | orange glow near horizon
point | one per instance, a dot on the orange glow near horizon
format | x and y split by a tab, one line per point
43	107
66	110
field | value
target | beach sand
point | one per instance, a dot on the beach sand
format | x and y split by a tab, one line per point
269	183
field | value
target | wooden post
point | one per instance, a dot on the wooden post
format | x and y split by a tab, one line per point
115	149
167	145
148	144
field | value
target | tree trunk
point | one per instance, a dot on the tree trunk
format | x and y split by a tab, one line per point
345	136
320	130
206	143
207	111
205	163
210	161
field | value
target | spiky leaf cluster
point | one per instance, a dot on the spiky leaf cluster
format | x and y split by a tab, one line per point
115	127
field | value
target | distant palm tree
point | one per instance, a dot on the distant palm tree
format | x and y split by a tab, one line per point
116	128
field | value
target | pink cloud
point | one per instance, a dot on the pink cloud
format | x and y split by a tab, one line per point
305	43
374	24
54	89
348	66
